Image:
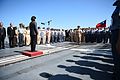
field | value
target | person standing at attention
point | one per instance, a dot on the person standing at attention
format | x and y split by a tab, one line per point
115	37
10	33
2	36
33	33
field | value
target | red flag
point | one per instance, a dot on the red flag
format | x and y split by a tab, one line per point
101	24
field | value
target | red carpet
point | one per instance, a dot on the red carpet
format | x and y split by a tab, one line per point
31	54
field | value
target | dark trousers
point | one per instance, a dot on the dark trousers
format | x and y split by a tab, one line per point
99	39
86	38
56	39
21	40
11	41
116	56
33	42
105	39
92	38
63	38
52	38
2	43
60	38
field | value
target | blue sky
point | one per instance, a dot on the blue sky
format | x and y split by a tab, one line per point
63	13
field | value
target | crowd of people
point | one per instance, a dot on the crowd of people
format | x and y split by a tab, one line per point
91	35
20	36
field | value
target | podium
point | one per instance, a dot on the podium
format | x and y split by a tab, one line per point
32	54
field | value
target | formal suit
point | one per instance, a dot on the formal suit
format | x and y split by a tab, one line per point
33	35
115	30
10	33
2	37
